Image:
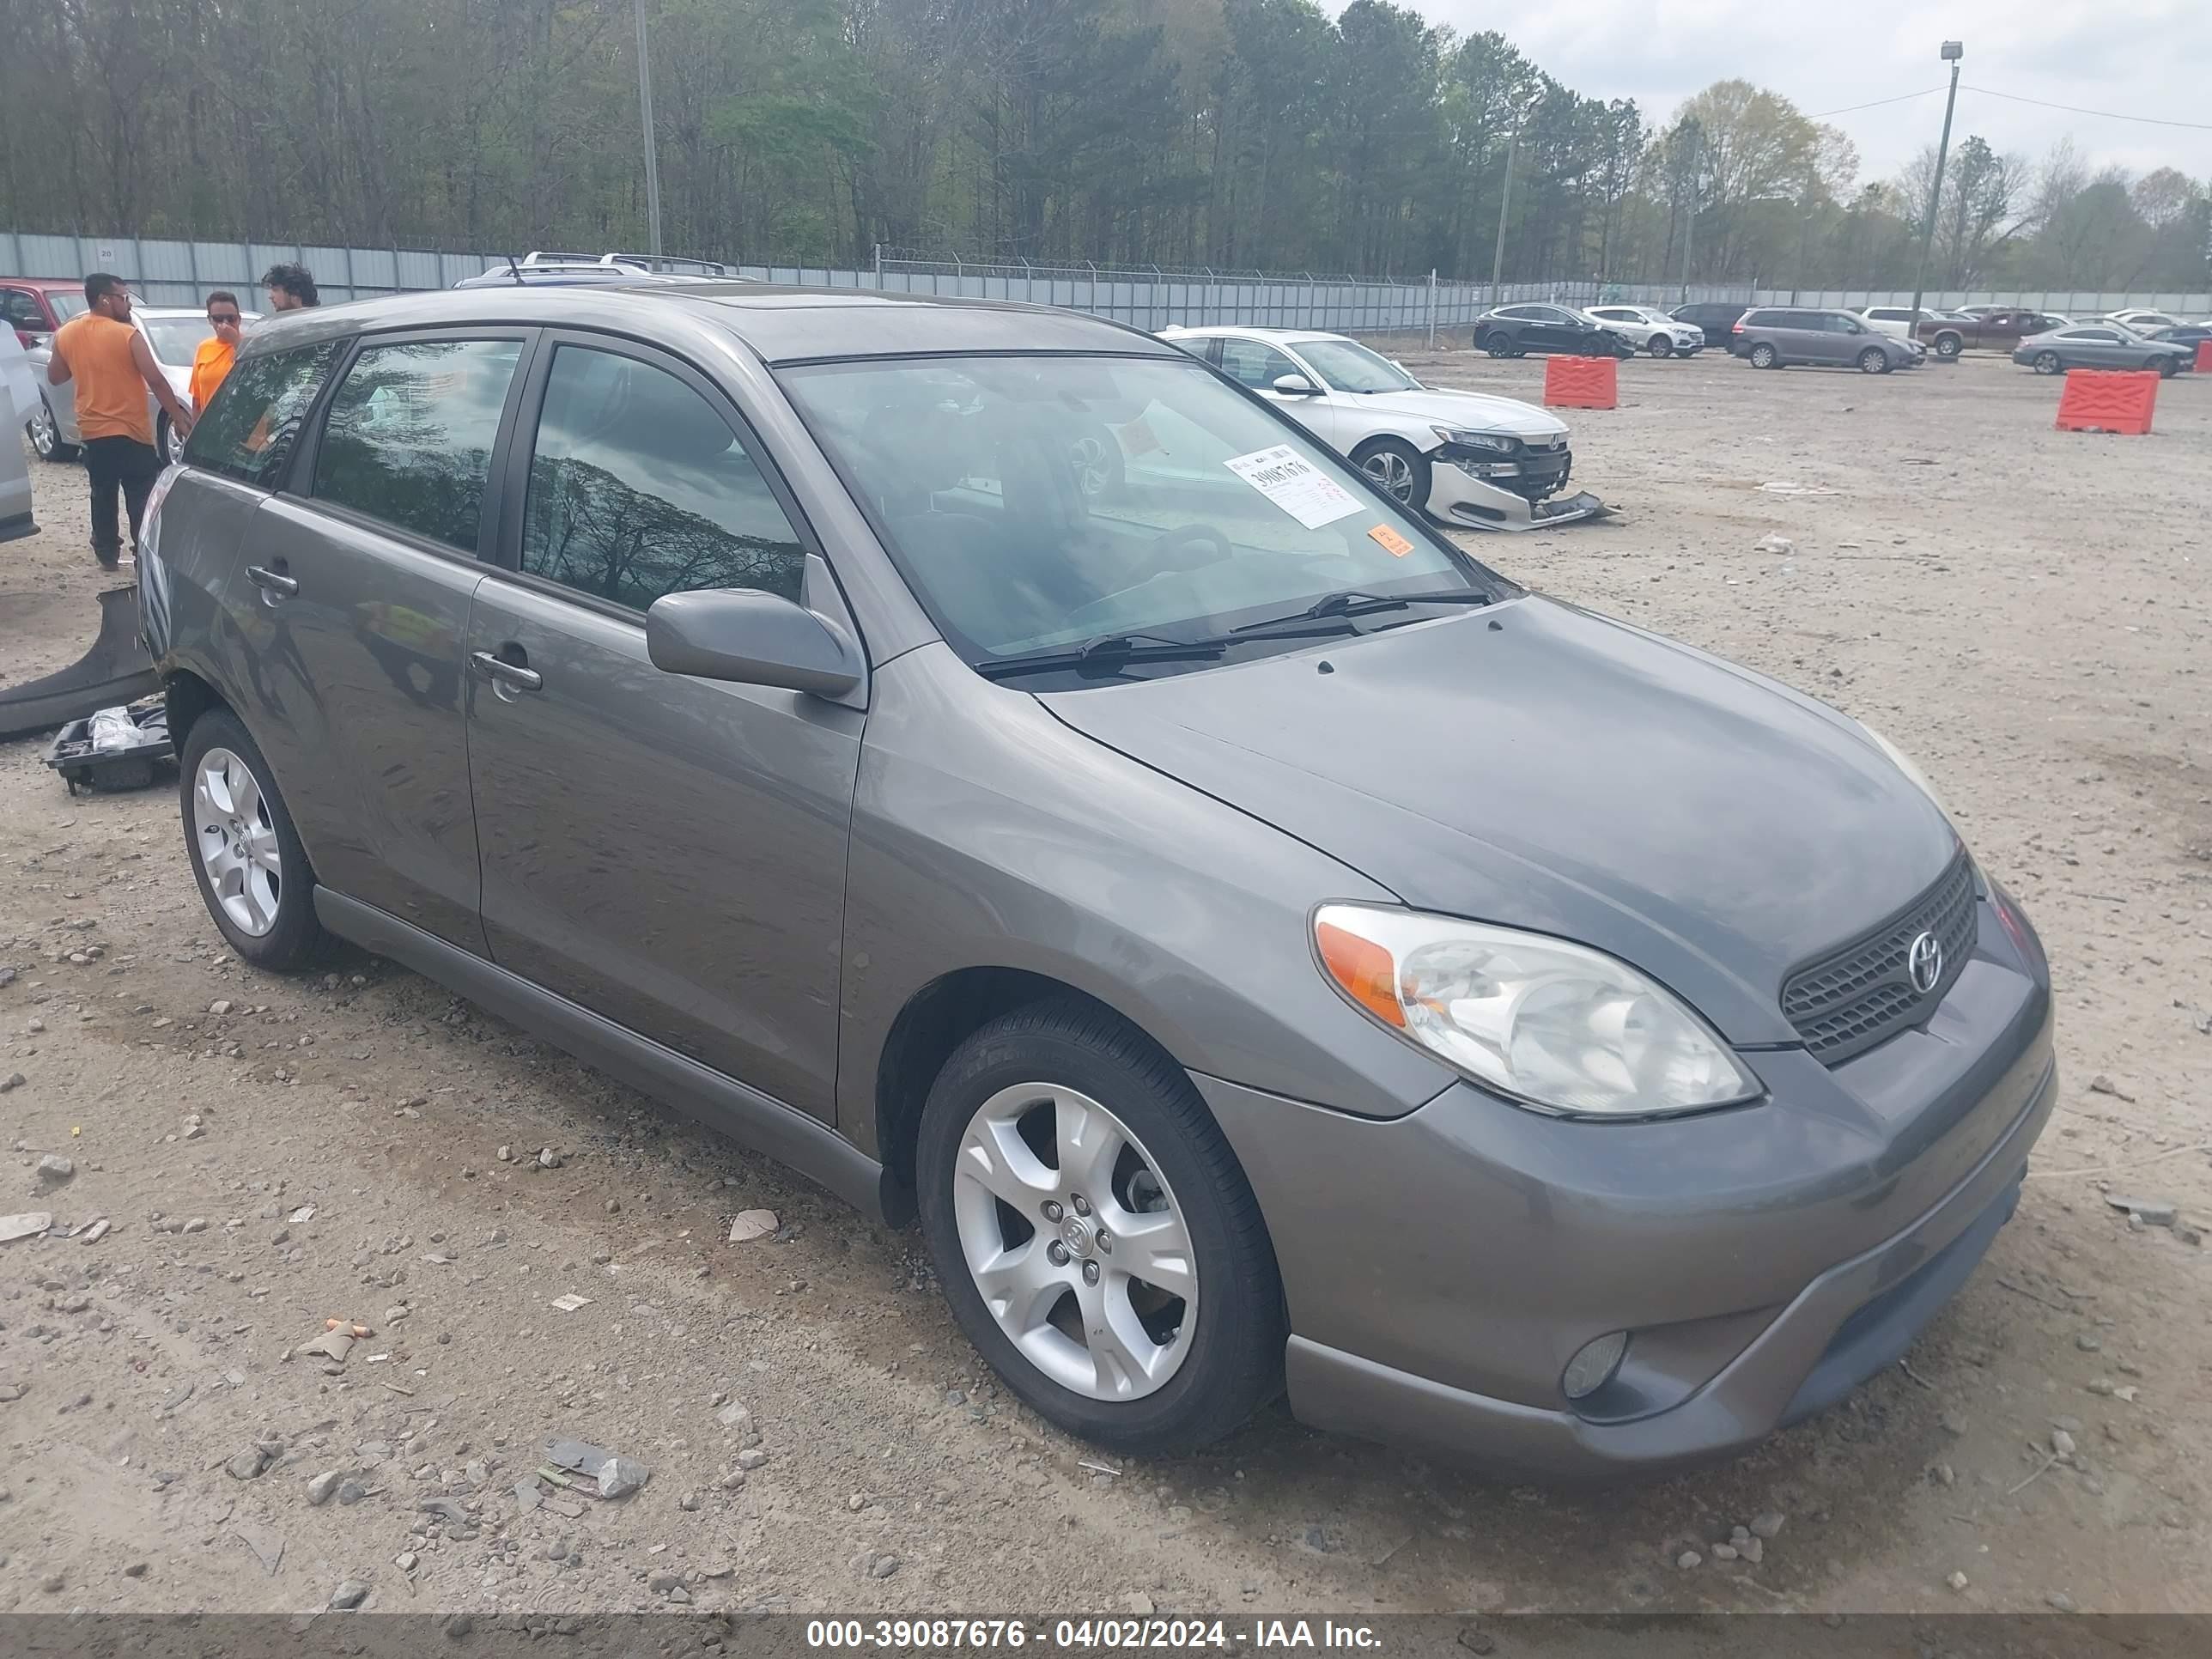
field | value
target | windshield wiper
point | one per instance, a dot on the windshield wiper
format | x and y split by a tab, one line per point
1106	654
1352	602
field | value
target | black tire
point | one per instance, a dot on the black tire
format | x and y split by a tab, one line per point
1413	467
1234	1364
45	435
2167	367
1949	345
1874	361
296	938
2047	362
166	444
1660	346
1764	356
1497	342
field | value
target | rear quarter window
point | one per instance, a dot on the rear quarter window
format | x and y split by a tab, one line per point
248	431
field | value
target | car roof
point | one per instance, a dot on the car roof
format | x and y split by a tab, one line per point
778	324
76	283
1233	331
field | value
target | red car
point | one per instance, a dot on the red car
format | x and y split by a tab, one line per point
35	307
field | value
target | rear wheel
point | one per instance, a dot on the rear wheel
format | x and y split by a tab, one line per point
1874	361
166	440
2047	362
1399	468
247	857
2166	367
1097	1240
46	435
1764	356
1498	343
1949	345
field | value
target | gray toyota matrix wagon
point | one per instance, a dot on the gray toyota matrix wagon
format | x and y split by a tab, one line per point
992	763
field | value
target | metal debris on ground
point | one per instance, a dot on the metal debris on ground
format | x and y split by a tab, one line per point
571	1303
2154	1211
29	1224
617	1476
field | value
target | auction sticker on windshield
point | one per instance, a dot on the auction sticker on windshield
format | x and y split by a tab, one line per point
1295	484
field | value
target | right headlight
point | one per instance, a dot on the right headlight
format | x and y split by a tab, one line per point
1554	1026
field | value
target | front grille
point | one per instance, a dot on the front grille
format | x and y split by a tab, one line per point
1849	1000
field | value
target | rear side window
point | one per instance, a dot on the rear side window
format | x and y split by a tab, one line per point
638	489
248	431
409	437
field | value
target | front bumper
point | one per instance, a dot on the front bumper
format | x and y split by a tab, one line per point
1511	492
1441	1268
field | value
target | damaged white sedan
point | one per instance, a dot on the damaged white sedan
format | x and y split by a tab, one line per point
1465	458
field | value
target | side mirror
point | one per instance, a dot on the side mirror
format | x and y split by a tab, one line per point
1295	386
750	638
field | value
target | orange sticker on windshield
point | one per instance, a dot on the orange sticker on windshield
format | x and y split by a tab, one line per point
1390	541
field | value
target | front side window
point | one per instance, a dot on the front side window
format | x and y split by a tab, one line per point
1207	514
248	431
1254	364
1350	367
638	489
409	437
19	310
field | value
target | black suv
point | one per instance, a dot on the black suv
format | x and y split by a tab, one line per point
1516	330
1716	319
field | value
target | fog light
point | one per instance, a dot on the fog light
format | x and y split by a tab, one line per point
1593	1368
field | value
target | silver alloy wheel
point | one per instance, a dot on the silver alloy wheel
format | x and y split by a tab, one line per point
236	842
1393	471
2047	363
173	446
1092	473
44	437
1762	356
1085	1261
1660	345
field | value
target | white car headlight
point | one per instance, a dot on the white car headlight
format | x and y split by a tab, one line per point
1557	1026
1493	441
1904	763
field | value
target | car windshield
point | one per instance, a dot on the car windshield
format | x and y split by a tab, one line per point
1038	503
1350	367
175	338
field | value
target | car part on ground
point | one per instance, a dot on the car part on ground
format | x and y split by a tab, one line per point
1468	458
112	748
1009	909
114	669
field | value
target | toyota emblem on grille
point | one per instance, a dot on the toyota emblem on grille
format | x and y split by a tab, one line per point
1925	962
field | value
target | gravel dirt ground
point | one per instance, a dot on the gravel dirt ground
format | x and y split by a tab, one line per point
2025	610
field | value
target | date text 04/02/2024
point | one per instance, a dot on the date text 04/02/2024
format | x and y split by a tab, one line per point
1086	1635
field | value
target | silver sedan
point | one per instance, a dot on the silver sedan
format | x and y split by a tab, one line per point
2105	345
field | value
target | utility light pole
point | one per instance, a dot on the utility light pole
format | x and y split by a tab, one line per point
1690	225
1504	200
645	113
1953	51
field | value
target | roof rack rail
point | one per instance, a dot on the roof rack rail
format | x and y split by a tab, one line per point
667	265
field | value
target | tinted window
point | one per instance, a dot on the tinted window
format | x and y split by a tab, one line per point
638	487
1519	313
249	429
409	437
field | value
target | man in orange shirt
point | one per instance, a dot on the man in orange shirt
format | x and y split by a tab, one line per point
114	370
211	362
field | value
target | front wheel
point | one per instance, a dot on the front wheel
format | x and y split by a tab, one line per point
1874	361
2166	367
47	435
1660	346
1764	356
2047	362
246	855
1402	469
166	440
1097	1239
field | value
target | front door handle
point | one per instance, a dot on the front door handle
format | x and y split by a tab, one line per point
513	675
272	582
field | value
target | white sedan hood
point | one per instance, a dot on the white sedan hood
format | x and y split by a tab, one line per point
1474	411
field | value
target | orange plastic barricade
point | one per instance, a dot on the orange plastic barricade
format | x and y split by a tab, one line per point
1582	383
2204	357
2108	400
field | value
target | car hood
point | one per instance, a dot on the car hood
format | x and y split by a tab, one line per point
1537	766
1477	411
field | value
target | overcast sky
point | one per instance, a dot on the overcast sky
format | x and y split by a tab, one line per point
2145	57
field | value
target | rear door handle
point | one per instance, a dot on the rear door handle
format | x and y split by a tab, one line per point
271	582
501	672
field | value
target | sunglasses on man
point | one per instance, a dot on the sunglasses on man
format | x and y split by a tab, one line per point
219	317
